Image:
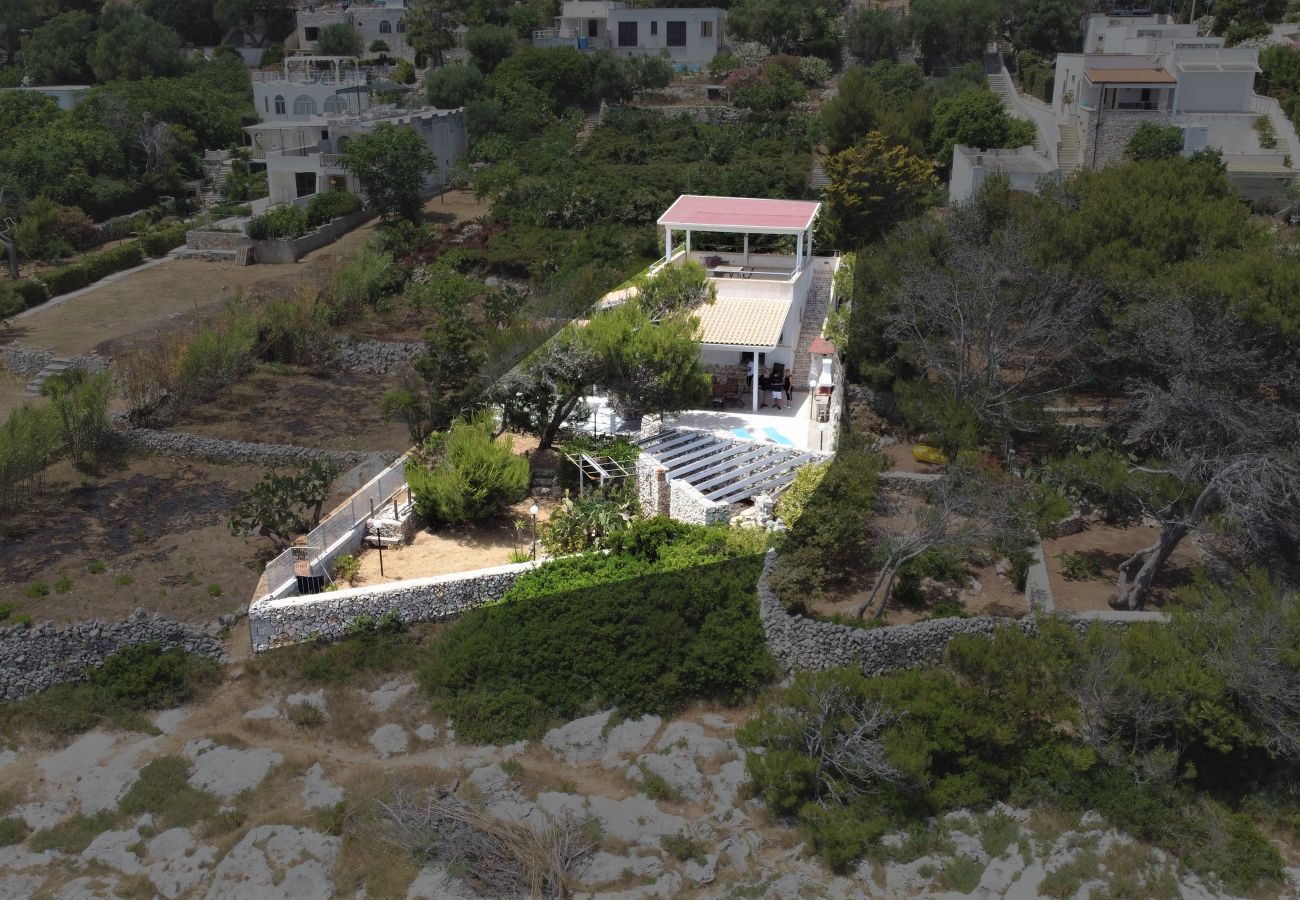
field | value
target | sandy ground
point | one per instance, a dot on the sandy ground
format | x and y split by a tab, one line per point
1114	545
900	455
459	549
334	410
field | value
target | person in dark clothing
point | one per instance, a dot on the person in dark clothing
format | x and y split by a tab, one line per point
762	388
789	387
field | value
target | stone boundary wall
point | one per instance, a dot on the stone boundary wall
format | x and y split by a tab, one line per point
687	504
281	251
801	644
197	446
27	361
329	616
706	115
378	357
201	240
36	658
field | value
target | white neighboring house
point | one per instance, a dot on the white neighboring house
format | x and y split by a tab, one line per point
314	106
971	167
1139	69
65	95
384	21
689	37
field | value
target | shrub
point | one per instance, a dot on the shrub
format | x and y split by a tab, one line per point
37	589
682	846
163	790
1079	566
278	223
73	835
605	630
829	542
214	590
63	585
329	205
380	645
464	475
13	830
162	241
33	292
1152	141
305	715
66	279
117	259
587	523
1048	505
791	503
346	568
50	231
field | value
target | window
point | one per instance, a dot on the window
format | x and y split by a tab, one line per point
627	34
324	134
335	104
304	183
676	34
401	26
304	106
266	103
706	29
311	33
279	105
654	27
593	27
385	27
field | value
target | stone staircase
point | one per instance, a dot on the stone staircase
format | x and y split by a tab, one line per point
56	366
817	178
814	313
1000	84
215	172
1071	153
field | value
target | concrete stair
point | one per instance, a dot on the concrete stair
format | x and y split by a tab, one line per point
215	173
817	178
1071	153
814	313
55	366
1001	85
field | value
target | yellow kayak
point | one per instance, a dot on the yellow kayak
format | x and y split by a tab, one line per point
927	454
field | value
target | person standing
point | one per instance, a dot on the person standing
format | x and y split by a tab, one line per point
763	388
775	384
789	387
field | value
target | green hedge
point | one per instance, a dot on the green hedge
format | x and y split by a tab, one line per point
330	205
278	223
94	266
670	615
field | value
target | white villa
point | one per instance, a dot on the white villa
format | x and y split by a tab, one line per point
314	106
1137	69
689	37
383	21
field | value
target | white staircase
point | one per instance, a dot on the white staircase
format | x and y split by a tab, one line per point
814	313
817	178
1071	153
1000	83
216	169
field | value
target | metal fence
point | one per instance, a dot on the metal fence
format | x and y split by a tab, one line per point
339	524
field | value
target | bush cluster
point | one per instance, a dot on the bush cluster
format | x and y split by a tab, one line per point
1143	725
465	475
330	205
132	681
828	542
278	223
668	615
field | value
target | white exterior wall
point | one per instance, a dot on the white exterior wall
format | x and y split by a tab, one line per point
320	93
652	33
443	132
366	21
1215	91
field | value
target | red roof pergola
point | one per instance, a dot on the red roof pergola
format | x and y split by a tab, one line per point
740	214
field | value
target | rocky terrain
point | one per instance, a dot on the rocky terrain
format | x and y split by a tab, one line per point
275	793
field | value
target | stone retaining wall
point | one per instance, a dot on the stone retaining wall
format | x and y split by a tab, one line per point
216	241
329	616
283	251
687	504
27	361
33	659
799	643
197	446
378	357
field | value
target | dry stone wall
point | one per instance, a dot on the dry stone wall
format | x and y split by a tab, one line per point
36	658
329	616
197	446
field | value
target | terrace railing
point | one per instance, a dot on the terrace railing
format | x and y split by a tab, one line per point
326	540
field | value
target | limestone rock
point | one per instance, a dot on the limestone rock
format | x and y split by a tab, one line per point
277	861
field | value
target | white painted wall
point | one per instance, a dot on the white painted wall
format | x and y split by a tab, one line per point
1215	91
652	33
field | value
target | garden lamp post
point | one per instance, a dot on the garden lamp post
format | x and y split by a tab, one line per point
821	439
533	511
812	395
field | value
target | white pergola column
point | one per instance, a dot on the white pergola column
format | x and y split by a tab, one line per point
798	253
810	234
754	402
688	242
668	242
746	248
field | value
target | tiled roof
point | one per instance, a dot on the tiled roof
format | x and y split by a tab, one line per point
692	211
1129	76
744	322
